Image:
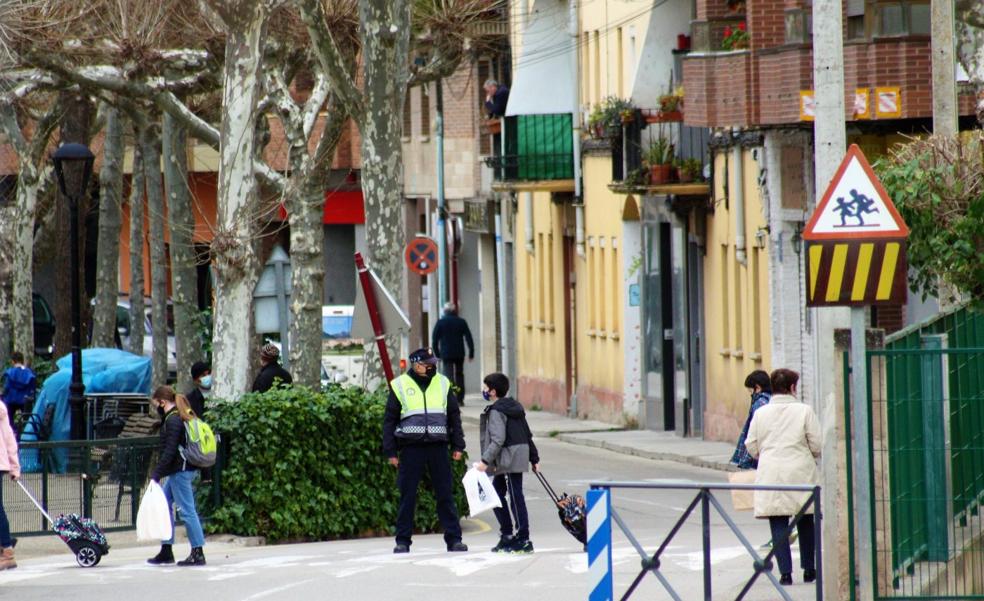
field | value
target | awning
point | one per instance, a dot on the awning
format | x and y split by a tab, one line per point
341	207
543	77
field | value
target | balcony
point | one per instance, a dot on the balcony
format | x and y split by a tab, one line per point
533	152
655	153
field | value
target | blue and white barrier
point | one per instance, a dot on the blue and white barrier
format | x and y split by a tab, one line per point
600	545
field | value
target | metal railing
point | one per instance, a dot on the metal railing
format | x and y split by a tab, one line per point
652	562
99	479
534	148
637	135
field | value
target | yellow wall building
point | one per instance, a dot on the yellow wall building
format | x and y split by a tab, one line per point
736	305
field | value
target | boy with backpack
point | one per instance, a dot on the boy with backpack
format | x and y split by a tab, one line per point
507	451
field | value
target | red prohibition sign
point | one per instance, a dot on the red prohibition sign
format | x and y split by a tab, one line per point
421	255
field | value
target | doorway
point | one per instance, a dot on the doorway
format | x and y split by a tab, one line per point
659	382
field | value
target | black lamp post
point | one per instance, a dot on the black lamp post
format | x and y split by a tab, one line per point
73	167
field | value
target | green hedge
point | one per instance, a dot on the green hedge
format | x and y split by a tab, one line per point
305	465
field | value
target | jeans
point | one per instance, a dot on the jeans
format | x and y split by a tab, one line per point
436	460
454	370
807	547
511	484
179	490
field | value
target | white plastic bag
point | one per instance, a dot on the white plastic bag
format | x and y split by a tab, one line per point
154	515
481	495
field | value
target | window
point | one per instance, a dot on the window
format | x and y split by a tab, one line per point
407	116
550	281
725	309
887	18
616	280
425	111
542	285
619	63
592	289
603	289
739	311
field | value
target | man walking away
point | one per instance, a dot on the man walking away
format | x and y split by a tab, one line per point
507	452
271	373
421	421
450	335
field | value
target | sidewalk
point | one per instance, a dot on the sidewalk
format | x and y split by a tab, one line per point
663	446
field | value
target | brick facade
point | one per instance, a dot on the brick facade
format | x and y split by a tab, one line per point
761	85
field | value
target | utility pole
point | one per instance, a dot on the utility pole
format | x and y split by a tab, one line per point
830	140
944	69
442	230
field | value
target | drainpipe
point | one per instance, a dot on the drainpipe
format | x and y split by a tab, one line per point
442	230
739	197
528	219
500	268
576	134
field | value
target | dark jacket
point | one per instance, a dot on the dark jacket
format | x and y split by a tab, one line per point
19	383
270	373
391	418
449	337
172	436
197	401
507	443
497	106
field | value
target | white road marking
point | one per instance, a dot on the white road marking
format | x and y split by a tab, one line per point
279	589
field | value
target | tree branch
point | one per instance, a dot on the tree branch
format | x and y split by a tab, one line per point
11	128
42	133
442	65
332	60
319	94
197	127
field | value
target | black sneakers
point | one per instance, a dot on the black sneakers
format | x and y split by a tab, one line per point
165	556
521	547
505	542
197	558
458	547
400	548
786	579
809	575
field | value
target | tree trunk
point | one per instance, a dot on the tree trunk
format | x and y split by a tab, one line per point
307	261
236	263
76	127
108	253
22	315
385	60
150	144
137	200
184	276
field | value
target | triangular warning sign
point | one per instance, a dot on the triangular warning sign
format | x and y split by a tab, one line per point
855	205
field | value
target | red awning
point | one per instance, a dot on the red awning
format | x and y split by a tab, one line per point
341	207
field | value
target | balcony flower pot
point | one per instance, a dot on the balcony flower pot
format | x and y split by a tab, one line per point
660	174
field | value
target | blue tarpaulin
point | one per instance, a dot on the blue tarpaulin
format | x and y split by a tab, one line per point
103	370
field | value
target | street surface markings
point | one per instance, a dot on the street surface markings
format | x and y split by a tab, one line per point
279	589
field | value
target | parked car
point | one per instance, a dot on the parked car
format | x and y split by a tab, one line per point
44	327
123	326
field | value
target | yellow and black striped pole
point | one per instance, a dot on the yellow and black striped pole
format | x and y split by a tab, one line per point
871	272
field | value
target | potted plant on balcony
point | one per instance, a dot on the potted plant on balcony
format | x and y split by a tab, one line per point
670	105
735	39
689	170
606	118
659	158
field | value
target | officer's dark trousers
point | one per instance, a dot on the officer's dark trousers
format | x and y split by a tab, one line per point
511	497
436	460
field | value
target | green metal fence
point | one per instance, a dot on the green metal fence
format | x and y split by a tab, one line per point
926	395
101	479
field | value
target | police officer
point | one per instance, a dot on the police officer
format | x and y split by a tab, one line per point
422	419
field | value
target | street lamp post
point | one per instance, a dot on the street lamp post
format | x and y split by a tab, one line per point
73	167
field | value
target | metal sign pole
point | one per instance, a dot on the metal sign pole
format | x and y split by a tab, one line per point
862	454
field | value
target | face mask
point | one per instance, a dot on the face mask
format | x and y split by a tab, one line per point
430	370
486	395
160	410
206	382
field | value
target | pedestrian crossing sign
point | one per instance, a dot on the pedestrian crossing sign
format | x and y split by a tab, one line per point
855	206
855	241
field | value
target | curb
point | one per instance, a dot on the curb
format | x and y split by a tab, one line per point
654	455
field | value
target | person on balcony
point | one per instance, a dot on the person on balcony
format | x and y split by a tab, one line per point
496	97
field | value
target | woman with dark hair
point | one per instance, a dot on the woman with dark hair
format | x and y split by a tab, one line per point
180	475
760	388
785	437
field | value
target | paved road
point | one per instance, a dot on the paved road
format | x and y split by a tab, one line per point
367	569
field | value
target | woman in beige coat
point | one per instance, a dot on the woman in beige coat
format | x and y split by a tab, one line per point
785	438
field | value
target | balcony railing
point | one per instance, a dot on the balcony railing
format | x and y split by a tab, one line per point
632	168
533	148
